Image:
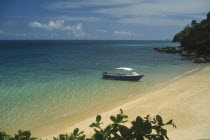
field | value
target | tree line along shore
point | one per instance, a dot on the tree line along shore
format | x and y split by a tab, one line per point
194	40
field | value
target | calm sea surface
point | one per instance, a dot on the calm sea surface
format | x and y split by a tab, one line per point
45	80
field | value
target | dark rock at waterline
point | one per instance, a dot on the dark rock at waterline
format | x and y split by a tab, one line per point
207	58
200	60
190	54
168	49
193	54
184	53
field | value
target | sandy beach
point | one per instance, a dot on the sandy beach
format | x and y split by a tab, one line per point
185	100
64	62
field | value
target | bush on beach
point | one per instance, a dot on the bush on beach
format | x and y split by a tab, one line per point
141	129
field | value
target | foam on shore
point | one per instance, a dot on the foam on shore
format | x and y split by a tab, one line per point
188	72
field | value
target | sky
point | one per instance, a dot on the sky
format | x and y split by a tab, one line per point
97	19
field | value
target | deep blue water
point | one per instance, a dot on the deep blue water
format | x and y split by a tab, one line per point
45	80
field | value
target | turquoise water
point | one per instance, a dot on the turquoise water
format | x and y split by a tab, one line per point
46	80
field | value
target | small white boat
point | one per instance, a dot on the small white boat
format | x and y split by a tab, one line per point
134	76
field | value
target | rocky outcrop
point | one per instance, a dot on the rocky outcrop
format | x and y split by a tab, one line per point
192	55
169	49
207	58
184	53
200	60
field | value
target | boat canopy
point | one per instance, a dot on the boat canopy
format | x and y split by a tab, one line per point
125	68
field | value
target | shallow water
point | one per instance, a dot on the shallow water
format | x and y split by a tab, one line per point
45	80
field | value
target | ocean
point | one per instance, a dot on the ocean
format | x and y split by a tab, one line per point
42	81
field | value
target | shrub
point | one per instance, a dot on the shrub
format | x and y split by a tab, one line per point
140	129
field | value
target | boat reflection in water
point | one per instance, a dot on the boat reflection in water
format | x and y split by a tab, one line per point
134	76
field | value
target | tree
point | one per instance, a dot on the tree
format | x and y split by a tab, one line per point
195	37
193	23
208	16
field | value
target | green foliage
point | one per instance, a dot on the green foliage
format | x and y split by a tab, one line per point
141	129
179	36
208	16
193	22
196	37
76	135
4	136
22	135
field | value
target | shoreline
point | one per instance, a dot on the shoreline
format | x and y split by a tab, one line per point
67	124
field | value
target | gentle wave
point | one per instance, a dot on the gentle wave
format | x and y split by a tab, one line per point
190	71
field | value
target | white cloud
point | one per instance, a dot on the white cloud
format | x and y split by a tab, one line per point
89	3
89	19
137	7
154	12
159	7
101	30
199	17
159	13
149	21
58	24
75	30
124	33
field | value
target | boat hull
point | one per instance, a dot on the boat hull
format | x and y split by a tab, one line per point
124	77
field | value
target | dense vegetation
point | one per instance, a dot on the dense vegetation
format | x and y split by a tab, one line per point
141	129
195	37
